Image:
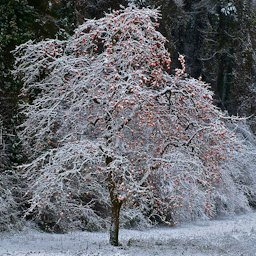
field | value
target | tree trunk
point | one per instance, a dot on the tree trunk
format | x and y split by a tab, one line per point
116	206
114	228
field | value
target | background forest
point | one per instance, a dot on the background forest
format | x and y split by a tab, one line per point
218	40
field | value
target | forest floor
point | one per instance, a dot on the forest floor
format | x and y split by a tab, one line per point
234	236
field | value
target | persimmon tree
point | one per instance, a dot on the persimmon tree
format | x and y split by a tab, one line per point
105	124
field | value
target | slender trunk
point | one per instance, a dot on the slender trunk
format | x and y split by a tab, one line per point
114	228
116	206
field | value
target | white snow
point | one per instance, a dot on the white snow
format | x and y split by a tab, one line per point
228	236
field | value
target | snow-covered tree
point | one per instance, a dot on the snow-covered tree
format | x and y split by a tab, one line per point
9	212
106	125
8	204
239	172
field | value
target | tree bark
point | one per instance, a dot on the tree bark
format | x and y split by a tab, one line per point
116	206
114	228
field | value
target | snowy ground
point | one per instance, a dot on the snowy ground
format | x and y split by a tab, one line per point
230	236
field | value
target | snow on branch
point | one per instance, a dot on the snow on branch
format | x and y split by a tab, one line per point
102	113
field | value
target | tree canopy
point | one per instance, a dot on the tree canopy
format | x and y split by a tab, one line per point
106	125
